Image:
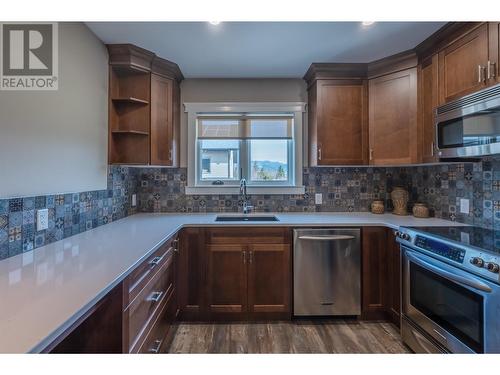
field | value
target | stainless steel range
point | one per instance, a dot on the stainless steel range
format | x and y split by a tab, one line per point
451	289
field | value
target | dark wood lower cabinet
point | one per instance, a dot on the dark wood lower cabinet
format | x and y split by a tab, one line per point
393	303
98	331
244	275
249	273
191	274
381	275
227	281
269	281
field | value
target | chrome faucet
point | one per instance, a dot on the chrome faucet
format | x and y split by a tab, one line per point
243	193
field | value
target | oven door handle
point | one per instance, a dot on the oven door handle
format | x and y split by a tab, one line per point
472	282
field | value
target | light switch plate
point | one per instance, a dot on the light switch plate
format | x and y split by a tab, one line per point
318	198
42	219
464	206
134	200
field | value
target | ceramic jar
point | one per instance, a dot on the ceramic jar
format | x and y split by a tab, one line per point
377	207
420	210
399	198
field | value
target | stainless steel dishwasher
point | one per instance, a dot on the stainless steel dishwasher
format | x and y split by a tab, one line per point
327	272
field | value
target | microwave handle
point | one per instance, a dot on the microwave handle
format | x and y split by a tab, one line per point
469	281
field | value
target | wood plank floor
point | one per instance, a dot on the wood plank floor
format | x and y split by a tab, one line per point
303	336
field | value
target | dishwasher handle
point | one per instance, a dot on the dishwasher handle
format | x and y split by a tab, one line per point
328	237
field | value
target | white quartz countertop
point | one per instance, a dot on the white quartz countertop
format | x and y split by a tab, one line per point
42	292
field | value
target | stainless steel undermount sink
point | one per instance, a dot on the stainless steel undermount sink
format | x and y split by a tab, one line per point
245	218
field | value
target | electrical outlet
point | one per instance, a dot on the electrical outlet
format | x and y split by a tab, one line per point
464	206
318	198
42	219
134	200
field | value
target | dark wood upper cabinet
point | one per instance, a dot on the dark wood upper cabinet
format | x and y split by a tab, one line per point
494	49
227	280
393	127
144	113
269	285
338	122
463	65
427	96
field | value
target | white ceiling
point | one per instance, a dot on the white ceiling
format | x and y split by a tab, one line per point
264	49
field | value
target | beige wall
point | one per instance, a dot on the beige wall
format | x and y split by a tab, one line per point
56	141
236	90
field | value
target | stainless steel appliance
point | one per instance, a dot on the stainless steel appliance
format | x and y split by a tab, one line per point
326	272
469	126
451	289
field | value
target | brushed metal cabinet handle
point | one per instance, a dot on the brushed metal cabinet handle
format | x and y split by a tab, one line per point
479	78
250	258
170	155
155	261
488	75
319	153
244	253
432	148
156	346
371	154
155	296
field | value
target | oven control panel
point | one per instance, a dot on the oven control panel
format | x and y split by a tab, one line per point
439	248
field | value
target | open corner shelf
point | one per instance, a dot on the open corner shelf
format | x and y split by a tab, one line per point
131	132
130	100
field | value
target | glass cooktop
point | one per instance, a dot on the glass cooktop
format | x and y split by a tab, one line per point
481	238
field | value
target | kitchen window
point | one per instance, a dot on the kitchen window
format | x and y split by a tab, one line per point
262	147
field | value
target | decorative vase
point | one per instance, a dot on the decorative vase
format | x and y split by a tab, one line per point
399	198
377	207
420	210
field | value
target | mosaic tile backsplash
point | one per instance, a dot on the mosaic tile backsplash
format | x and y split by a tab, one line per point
440	186
69	214
346	189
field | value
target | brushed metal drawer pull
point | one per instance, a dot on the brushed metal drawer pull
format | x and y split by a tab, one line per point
155	261
156	346
155	296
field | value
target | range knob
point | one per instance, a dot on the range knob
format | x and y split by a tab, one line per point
492	267
397	233
405	236
478	262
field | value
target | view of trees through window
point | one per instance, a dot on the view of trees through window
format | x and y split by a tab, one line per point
269	159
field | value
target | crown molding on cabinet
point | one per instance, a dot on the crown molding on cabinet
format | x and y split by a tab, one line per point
132	57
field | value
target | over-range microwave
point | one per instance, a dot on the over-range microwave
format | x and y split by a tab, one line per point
469	126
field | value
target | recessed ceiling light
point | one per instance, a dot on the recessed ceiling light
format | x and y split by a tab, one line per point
367	23
215	23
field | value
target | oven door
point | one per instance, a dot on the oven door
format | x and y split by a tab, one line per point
449	304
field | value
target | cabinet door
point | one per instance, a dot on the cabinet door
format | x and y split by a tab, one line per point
394	278
341	115
227	281
462	65
374	272
161	120
269	281
191	273
393	128
494	53
428	102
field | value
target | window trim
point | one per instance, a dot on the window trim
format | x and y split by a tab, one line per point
296	108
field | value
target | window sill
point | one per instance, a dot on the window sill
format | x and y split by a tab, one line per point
251	190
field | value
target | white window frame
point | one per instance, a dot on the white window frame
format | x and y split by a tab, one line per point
293	186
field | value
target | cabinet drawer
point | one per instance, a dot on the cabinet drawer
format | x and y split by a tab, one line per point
145	271
247	235
156	339
140	313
